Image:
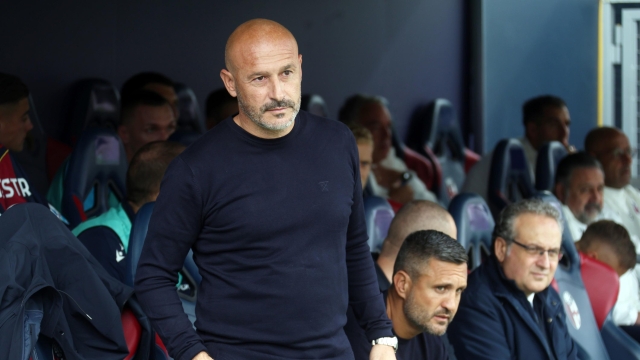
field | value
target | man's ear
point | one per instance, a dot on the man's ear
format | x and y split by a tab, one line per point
229	82
559	192
500	249
402	283
123	132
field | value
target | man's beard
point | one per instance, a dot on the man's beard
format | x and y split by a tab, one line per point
585	217
422	320
256	115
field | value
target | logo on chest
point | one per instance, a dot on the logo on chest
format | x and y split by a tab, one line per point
324	185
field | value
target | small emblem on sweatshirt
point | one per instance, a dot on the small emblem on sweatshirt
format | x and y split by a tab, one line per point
120	254
324	185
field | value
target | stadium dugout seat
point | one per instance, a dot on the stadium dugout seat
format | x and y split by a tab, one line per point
314	104
188	289
435	128
190	125
94	103
580	318
509	177
475	226
427	170
96	171
602	284
549	156
378	215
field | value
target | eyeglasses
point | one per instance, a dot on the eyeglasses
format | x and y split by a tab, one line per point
554	254
618	152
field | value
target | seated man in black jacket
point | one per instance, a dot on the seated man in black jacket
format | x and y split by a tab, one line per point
429	276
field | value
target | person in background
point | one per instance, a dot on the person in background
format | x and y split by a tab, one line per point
545	118
429	276
364	140
107	236
392	178
220	105
156	82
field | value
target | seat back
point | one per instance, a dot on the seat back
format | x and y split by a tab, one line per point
549	156
581	321
190	118
509	177
314	104
436	127
98	166
94	103
475	226
425	165
378	215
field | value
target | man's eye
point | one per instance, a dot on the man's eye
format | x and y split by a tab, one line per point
287	72
259	78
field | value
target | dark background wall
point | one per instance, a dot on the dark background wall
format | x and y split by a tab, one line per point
409	51
529	48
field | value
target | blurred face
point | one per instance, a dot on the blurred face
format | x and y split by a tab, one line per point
167	92
531	272
365	152
616	155
554	126
267	78
149	123
377	120
14	124
584	195
434	296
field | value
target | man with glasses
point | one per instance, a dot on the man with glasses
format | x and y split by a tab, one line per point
611	147
508	310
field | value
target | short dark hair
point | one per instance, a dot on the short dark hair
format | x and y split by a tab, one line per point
419	247
361	133
139	81
533	109
505	226
574	161
137	98
216	100
147	167
350	111
613	234
12	89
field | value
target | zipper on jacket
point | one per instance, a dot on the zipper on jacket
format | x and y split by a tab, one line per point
78	305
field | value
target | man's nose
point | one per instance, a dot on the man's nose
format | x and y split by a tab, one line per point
276	89
543	260
29	125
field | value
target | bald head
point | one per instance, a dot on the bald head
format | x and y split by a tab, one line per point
611	147
414	216
252	35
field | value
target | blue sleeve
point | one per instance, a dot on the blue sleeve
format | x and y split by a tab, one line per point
105	245
364	292
170	236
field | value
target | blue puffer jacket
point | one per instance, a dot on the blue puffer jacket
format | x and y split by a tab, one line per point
495	321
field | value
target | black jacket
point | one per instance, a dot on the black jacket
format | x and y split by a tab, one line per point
46	272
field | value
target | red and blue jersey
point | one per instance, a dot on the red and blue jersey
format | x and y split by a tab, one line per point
14	186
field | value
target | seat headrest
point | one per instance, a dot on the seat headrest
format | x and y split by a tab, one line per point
95	103
190	118
510	176
98	164
436	126
475	226
602	284
314	104
549	156
378	215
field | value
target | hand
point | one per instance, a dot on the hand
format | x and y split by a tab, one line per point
402	194
382	352
202	356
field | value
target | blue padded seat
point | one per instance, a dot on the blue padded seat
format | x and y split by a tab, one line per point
509	177
581	321
436	128
190	125
378	215
314	104
549	156
97	165
475	226
96	103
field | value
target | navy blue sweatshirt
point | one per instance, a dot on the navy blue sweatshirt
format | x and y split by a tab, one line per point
278	233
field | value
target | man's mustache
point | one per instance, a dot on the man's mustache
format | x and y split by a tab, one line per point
275	104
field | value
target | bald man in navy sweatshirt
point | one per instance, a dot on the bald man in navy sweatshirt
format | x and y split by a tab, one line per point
270	202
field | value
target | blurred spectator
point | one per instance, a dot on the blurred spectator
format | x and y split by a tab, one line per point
364	140
107	236
579	185
152	81
429	276
392	179
545	118
220	105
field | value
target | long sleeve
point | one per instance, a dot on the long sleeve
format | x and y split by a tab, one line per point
175	225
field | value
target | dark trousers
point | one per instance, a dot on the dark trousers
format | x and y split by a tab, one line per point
633	331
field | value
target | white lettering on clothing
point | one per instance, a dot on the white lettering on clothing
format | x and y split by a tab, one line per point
24	187
8	189
11	187
13	181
